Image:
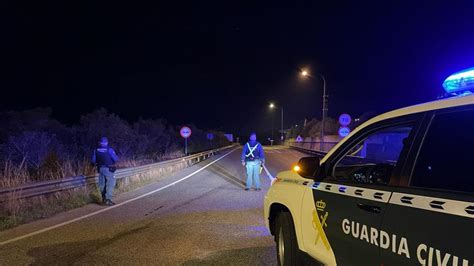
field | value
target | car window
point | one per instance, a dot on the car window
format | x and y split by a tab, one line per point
445	158
373	159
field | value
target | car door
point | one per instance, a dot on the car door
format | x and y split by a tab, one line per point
350	200
433	210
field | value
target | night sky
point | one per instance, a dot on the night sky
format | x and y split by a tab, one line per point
219	64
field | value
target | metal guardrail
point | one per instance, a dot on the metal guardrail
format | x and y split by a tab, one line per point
48	187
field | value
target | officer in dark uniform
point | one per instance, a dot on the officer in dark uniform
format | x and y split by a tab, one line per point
105	158
253	158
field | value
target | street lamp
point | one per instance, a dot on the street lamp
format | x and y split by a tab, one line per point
305	74
273	106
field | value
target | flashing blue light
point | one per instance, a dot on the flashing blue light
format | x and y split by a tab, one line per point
460	82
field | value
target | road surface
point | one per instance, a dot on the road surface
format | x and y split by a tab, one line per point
199	216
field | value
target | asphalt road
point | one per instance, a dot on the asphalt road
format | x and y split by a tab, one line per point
205	219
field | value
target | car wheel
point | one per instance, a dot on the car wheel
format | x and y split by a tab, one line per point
286	244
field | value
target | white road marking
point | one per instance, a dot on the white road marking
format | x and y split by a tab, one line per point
111	207
268	173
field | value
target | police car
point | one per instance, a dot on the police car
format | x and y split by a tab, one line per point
399	190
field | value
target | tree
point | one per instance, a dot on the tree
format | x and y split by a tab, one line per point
313	128
39	120
119	132
153	137
30	147
331	126
309	128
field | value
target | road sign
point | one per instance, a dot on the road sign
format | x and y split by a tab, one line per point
343	131
185	132
299	139
210	136
345	120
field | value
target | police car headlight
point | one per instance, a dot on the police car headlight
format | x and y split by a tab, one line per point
296	168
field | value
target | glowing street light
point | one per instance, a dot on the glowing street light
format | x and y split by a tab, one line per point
273	106
305	74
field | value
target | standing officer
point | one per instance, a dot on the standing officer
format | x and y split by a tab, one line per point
253	158
105	158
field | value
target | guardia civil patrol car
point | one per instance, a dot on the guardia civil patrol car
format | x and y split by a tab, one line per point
399	190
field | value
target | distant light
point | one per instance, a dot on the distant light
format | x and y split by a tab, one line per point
272	105
296	168
460	82
304	73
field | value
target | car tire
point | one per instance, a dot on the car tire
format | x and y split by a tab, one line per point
285	238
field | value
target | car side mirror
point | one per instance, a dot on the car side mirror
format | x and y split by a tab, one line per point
307	167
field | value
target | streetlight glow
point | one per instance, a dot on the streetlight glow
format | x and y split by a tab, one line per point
274	106
304	73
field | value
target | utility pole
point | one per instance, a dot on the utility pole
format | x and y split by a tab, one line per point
324	115
282	125
305	73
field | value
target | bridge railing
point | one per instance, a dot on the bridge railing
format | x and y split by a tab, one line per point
122	175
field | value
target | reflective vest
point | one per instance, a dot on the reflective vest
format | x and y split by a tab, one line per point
250	156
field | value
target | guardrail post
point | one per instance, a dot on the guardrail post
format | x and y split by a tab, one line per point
125	180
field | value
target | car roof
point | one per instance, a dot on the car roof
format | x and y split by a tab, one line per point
419	108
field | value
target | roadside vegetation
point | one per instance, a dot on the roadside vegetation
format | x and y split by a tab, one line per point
34	147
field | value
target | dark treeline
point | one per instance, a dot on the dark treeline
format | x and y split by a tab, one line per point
34	146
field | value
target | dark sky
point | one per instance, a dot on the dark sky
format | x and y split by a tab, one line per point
219	64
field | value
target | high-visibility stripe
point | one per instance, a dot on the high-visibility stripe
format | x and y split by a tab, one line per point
442	205
356	192
251	149
435	204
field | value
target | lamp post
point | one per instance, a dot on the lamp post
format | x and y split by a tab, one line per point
305	73
272	106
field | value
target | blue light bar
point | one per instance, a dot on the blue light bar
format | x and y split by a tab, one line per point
460	82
